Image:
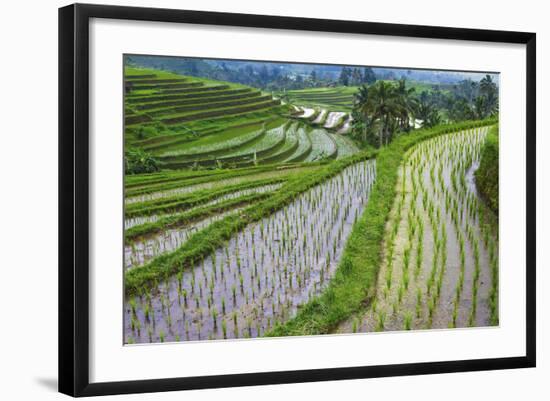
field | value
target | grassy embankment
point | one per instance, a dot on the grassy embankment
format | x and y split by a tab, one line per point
487	173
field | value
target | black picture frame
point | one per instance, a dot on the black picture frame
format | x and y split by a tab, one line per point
74	198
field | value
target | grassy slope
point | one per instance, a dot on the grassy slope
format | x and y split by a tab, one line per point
204	119
339	98
354	283
487	173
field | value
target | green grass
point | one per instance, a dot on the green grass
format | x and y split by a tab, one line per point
168	114
225	111
216	97
323	146
185	218
165	183
224	141
339	98
487	173
354	282
196	198
304	146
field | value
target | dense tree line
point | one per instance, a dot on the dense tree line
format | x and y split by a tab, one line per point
355	76
265	76
384	108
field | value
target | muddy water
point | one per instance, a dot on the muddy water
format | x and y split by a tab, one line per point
308	112
135	221
346	127
321	116
333	118
263	273
424	303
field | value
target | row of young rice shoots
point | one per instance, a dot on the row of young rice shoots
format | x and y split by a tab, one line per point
185	189
262	274
130	222
142	250
441	249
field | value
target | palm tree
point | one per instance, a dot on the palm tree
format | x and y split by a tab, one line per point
362	123
461	110
361	96
408	104
488	89
383	105
481	107
428	113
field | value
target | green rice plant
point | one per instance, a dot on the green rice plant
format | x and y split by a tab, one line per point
215	317
161	335
224	329
418	303
406	258
179	277
389	272
355	324
133	306
407	321
431	310
405	279
146	312
381	321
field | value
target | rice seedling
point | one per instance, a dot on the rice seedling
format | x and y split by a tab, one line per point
355	325
407	321
381	321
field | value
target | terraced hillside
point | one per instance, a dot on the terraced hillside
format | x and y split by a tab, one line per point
186	122
338	98
259	216
338	122
232	160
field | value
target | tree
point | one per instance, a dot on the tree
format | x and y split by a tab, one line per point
356	77
368	75
382	105
408	104
363	126
480	107
264	74
461	110
313	76
488	89
428	114
344	76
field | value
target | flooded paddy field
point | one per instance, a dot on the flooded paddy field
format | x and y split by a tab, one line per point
130	222
261	276
339	202
440	265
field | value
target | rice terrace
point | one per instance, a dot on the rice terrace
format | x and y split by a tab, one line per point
268	199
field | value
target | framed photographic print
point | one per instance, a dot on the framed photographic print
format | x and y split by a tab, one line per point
249	199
